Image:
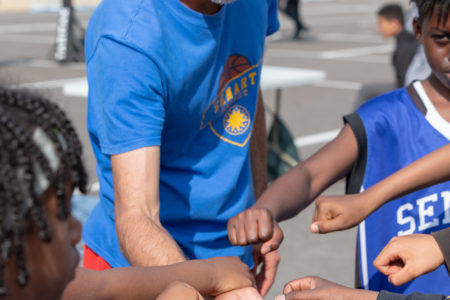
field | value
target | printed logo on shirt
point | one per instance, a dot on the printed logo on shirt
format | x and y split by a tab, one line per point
236	120
229	116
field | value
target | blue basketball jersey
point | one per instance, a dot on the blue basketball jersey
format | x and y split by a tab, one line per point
393	130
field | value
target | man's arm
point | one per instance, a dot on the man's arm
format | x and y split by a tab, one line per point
142	239
258	149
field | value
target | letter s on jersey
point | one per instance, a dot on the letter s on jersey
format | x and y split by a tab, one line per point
426	212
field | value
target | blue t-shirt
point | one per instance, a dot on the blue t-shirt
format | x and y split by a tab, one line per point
394	130
161	74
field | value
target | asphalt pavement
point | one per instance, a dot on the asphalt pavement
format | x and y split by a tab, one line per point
343	42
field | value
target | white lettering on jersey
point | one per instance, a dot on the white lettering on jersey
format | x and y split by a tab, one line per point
401	220
446	196
427	212
426	208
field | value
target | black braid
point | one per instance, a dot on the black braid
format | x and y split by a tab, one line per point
54	121
426	9
21	113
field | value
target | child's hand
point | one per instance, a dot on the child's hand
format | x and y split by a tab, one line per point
253	226
316	288
265	269
180	290
334	213
227	274
407	257
241	294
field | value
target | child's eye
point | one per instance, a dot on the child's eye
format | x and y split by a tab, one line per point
441	37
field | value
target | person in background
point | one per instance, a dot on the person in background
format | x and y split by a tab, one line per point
391	24
292	11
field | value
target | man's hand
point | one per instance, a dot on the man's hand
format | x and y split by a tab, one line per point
253	226
241	294
334	213
265	269
316	288
407	257
227	274
180	290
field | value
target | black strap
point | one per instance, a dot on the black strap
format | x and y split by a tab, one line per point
416	99
356	176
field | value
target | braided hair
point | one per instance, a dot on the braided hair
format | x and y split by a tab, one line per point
39	149
426	9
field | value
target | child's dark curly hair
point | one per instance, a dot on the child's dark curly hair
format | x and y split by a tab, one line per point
39	150
426	8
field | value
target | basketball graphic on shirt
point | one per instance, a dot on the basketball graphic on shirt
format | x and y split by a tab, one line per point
230	114
235	65
236	120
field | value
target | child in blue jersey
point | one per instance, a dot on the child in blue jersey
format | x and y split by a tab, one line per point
381	137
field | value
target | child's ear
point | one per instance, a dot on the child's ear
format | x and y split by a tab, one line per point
417	27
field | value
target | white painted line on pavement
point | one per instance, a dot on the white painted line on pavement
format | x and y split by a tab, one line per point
336	84
51	84
332	54
317	138
350	9
28	27
356	21
27	39
352	37
352	52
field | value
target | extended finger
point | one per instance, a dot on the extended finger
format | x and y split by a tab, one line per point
271	262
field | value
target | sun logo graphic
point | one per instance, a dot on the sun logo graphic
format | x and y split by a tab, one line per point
236	120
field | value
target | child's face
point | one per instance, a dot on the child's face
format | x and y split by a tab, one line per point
52	265
388	28
436	41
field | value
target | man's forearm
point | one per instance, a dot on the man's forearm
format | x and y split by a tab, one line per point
258	150
145	242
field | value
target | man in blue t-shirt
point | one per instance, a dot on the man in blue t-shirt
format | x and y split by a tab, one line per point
176	127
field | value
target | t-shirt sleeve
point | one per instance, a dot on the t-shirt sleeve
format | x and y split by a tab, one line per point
273	22
126	98
385	295
442	237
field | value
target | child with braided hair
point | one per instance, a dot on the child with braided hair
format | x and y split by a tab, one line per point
40	166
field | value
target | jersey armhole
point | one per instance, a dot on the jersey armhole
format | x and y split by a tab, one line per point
355	178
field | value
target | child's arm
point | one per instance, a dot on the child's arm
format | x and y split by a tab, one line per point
342	212
294	191
212	276
316	288
313	287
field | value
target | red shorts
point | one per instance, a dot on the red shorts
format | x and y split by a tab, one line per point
94	262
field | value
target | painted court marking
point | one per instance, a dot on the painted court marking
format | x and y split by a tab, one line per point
317	138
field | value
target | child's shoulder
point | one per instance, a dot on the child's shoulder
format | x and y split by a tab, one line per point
387	103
